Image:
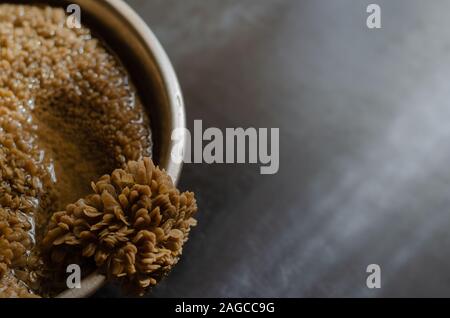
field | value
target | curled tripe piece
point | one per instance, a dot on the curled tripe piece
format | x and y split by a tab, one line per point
133	226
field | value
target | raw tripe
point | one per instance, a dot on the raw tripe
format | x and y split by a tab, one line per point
68	115
133	226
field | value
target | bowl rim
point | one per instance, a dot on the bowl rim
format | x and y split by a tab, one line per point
94	281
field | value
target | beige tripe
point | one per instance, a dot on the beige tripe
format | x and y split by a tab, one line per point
134	225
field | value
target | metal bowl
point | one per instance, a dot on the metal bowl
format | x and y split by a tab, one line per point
128	36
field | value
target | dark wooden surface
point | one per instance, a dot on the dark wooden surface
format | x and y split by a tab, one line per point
365	146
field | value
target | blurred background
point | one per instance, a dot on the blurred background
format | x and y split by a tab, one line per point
364	118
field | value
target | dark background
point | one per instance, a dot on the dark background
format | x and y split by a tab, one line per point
364	139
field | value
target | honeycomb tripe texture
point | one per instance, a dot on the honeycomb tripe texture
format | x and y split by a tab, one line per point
68	114
133	226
